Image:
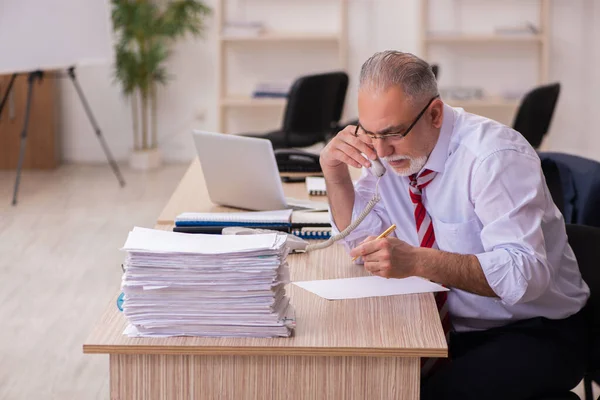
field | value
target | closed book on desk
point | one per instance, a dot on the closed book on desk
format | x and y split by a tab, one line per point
251	219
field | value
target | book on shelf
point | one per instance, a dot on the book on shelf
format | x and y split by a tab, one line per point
271	90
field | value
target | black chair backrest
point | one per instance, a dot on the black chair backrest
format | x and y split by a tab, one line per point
341	100
315	104
435	69
535	113
552	175
580	181
585	242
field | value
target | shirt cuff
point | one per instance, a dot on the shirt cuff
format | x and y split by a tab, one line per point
502	275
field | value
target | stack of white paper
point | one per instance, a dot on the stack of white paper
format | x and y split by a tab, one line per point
176	284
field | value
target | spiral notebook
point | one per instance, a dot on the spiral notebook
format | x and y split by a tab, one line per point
315	186
301	219
312	232
311	225
304	224
253	218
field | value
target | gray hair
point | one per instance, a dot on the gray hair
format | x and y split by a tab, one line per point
394	68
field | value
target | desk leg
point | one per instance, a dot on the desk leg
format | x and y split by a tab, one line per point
262	377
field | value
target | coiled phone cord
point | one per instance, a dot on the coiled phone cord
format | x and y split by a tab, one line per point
352	226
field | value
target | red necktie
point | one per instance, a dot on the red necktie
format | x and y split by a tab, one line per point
427	239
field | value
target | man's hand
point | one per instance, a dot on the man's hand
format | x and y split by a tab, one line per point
345	148
387	257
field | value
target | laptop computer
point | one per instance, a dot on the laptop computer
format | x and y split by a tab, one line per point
242	172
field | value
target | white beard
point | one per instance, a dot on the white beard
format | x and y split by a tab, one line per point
415	164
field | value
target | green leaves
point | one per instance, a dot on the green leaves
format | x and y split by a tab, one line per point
126	67
183	16
145	29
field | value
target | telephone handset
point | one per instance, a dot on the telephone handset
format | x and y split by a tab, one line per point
378	170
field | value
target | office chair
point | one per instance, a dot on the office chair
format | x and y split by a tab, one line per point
535	113
314	107
552	175
436	70
584	240
580	181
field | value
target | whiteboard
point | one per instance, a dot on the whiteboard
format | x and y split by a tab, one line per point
53	34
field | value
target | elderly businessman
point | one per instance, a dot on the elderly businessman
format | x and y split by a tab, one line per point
473	213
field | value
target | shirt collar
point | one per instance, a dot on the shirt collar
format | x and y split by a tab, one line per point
437	158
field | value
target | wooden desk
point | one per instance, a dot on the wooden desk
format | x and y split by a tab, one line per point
352	349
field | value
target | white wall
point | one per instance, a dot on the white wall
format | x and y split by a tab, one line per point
575	54
189	101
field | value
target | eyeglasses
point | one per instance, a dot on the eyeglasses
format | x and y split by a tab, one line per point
396	135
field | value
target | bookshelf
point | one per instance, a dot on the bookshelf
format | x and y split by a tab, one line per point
282	37
471	38
248	101
228	98
493	106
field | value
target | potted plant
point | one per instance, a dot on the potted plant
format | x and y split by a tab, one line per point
144	31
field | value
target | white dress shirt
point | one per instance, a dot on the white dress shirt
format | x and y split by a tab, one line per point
489	198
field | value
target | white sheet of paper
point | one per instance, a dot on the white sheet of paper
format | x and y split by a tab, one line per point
158	241
368	286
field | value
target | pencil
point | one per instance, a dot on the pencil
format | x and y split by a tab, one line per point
384	234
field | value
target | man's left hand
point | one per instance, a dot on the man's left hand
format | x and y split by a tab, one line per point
387	257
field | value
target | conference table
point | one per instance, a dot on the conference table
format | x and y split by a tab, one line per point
366	348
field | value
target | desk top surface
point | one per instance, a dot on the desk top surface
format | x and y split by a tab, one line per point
407	325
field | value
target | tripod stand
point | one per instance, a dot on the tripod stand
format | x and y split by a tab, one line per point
31	79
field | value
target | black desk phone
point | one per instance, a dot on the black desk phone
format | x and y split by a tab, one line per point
294	160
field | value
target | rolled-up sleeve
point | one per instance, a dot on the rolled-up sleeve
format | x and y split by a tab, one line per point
376	221
508	190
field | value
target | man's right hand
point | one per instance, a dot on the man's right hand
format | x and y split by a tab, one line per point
345	148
